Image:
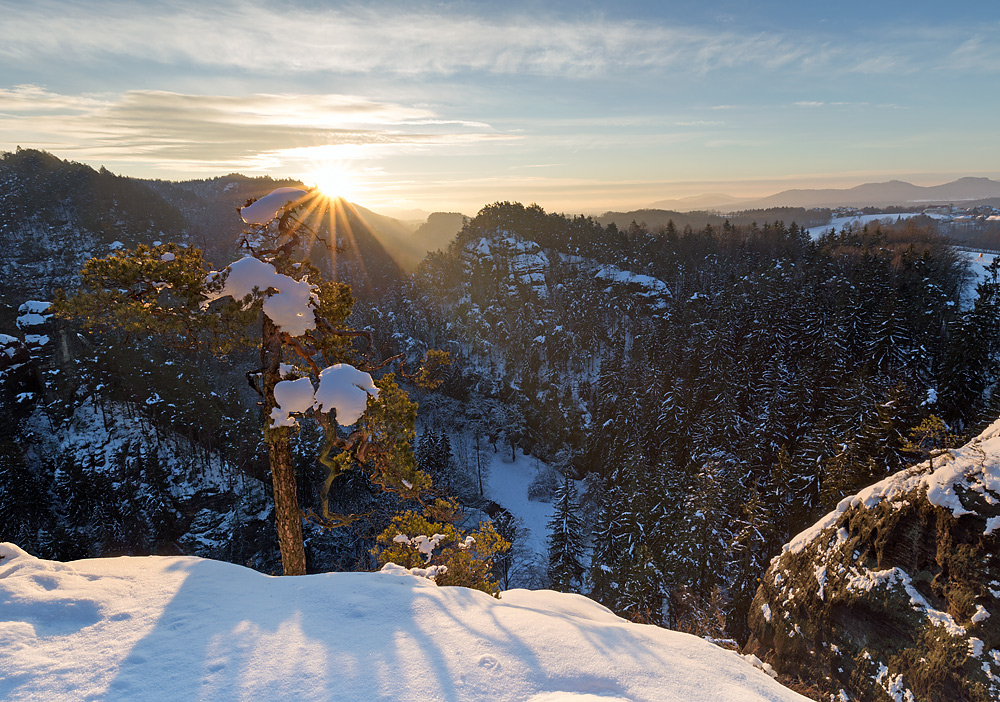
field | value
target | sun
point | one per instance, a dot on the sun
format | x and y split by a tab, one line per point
335	182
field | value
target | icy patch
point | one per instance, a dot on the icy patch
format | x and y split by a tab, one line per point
981	614
766	611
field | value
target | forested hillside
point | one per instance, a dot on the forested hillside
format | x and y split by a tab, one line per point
692	397
718	388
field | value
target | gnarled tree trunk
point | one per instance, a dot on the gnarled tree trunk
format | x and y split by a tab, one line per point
287	516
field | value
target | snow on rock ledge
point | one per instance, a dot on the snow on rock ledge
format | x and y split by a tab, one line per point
971	470
152	628
33	313
909	589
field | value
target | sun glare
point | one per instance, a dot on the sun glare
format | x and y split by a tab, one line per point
335	182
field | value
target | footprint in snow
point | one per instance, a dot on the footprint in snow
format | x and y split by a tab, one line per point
488	662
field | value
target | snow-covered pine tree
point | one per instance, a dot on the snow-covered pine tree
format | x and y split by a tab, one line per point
276	301
566	541
625	572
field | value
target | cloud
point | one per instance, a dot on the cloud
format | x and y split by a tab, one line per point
175	131
293	38
302	37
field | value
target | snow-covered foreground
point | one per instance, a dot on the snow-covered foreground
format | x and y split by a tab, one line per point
184	628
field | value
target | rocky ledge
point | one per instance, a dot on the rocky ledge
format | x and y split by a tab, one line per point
895	595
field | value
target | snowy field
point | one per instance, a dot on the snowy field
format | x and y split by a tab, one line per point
182	628
978	263
837	223
977	266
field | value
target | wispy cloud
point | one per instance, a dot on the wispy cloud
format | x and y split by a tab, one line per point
299	37
211	132
276	39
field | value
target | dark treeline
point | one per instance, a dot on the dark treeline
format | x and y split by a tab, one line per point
655	220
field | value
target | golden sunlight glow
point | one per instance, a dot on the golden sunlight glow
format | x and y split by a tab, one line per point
334	182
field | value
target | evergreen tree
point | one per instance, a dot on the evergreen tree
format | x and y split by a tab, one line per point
566	541
23	499
748	556
302	325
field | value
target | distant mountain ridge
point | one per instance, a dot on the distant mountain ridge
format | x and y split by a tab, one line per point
893	192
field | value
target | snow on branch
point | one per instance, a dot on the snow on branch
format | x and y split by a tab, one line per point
342	387
289	307
268	207
291	396
346	389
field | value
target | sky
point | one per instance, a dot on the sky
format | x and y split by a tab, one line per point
578	106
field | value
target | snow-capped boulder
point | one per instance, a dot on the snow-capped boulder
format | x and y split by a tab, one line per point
896	593
34	322
12	352
651	289
18	377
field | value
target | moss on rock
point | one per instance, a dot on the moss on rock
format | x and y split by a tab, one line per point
896	594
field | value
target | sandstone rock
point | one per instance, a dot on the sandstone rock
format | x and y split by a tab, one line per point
895	595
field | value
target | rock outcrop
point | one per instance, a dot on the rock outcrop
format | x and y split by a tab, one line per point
895	595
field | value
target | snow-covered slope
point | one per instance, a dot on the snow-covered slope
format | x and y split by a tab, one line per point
184	628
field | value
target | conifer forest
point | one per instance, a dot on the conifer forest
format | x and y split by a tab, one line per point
692	397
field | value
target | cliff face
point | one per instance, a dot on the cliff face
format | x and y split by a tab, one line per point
895	595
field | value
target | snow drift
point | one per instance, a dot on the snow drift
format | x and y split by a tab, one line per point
185	628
